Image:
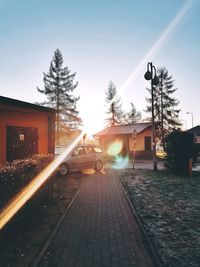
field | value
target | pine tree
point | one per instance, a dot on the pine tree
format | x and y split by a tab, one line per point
133	115
58	87
165	105
115	114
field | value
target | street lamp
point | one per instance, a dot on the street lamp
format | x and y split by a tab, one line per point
192	117
151	75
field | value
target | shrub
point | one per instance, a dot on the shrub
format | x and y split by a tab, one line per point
180	151
16	174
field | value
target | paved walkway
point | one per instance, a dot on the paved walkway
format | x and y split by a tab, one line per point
99	229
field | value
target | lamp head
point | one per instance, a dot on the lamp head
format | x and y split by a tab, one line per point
155	80
148	75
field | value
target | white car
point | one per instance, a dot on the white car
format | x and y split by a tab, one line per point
83	157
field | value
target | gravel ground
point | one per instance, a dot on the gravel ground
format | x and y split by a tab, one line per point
169	207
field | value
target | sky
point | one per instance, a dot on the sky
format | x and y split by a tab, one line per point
102	40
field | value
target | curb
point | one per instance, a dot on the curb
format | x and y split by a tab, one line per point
139	220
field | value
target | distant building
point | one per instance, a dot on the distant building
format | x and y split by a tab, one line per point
136	138
196	132
25	129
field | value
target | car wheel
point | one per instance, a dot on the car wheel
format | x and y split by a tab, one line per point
98	165
63	169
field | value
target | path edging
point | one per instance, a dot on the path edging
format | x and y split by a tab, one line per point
56	228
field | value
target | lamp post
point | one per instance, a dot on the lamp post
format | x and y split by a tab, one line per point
192	117
151	75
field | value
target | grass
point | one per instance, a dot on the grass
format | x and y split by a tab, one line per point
169	207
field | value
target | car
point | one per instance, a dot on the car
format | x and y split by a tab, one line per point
83	157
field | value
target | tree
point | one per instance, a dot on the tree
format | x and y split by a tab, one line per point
58	87
165	105
133	115
114	113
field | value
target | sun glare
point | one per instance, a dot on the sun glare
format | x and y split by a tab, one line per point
92	118
90	128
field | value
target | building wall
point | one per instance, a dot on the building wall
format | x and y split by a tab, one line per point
24	117
128	140
139	142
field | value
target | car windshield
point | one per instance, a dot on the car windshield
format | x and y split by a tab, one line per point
78	151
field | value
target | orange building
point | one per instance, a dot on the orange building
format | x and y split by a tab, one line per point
135	138
25	129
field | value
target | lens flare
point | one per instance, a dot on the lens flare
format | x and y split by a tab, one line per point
120	162
115	148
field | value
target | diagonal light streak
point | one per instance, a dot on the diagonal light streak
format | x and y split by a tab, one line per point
22	197
174	23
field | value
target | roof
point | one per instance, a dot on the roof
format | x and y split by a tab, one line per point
125	129
19	103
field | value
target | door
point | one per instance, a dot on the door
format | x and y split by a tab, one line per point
21	142
51	134
147	143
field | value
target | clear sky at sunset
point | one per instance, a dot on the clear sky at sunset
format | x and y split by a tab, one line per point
102	40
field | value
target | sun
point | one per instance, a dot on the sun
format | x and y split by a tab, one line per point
91	125
92	115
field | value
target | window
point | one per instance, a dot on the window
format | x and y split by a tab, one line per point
78	151
97	149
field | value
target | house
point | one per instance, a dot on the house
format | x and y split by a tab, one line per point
196	132
25	129
135	139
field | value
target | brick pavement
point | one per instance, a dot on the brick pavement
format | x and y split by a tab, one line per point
99	229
